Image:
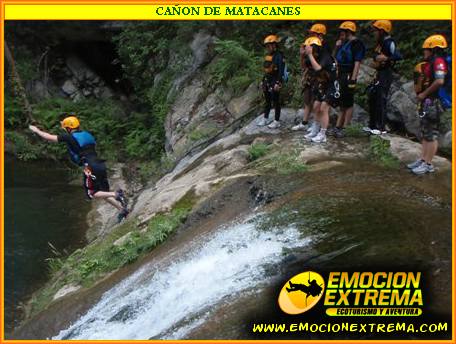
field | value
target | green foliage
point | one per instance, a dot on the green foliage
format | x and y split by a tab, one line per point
26	63
258	150
379	152
293	92
143	50
103	118
90	264
14	116
201	134
119	136
283	162
22	147
146	50
54	264
361	96
355	130
234	66
289	163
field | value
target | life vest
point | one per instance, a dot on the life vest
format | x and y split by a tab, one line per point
420	79
86	147
437	65
345	57
268	66
385	49
272	69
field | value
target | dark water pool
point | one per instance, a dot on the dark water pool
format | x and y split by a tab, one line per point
40	208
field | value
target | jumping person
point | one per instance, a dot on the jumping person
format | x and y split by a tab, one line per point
325	88
317	30
81	148
271	84
430	77
385	56
349	53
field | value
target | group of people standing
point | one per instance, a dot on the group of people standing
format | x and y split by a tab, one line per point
329	79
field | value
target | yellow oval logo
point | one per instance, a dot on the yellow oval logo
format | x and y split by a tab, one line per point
301	292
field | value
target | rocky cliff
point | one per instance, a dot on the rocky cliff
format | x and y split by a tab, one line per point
214	142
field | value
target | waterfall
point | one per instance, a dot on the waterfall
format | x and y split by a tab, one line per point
162	295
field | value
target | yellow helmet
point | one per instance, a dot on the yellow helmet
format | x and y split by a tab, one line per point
70	122
435	41
348	25
271	39
312	41
318	28
383	24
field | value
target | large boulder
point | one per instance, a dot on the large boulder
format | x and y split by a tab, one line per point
366	73
77	67
82	81
69	87
445	140
402	107
201	176
407	151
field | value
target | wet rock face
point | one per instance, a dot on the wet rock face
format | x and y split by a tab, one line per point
199	113
402	106
67	289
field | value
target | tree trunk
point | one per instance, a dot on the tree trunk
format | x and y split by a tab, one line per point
18	88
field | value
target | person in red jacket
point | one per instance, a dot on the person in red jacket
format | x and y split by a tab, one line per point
433	72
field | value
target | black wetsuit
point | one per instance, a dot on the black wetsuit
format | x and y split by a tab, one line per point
274	67
378	91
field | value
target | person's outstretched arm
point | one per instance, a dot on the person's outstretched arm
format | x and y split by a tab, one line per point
43	134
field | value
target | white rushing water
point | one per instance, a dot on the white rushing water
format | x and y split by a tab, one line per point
159	297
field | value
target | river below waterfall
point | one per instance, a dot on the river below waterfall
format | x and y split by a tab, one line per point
40	208
214	280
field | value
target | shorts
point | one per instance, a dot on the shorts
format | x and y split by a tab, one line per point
95	178
430	121
325	92
347	94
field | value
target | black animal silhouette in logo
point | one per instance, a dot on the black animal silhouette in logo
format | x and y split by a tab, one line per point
312	289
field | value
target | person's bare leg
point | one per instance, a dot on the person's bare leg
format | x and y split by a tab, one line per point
423	149
431	150
435	147
316	111
324	115
306	113
348	116
341	118
108	197
114	203
104	194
